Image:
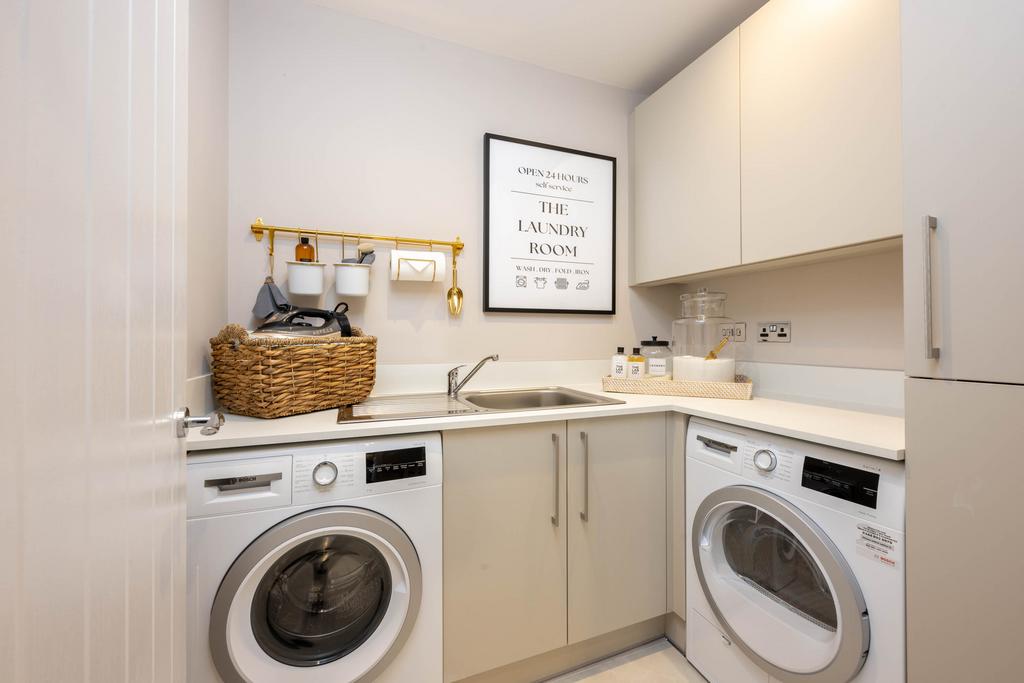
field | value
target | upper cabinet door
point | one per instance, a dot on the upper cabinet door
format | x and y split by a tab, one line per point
820	122
963	139
687	170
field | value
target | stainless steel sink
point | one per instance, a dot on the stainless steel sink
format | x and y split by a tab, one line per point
533	399
440	405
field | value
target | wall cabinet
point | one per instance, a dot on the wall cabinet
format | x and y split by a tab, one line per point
817	89
525	573
820	102
616	523
687	169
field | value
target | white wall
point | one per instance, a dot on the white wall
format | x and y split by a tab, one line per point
845	313
208	181
345	123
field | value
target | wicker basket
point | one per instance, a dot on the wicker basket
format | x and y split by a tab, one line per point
742	388
278	377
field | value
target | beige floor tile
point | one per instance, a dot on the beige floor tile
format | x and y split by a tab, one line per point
656	662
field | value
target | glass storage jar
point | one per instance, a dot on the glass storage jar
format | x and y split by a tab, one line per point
658	355
697	334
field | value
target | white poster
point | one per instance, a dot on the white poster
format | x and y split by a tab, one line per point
549	233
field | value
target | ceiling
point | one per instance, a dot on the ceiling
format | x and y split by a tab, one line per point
632	44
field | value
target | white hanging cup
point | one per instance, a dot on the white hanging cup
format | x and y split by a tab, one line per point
352	279
306	277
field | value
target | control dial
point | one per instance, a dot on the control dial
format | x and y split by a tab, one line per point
765	460
325	473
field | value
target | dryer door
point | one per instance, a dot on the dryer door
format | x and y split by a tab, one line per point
327	595
779	587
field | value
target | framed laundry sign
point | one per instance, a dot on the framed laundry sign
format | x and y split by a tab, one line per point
549	228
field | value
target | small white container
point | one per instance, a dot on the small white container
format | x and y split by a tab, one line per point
697	369
352	279
306	277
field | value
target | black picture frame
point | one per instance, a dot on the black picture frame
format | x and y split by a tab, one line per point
488	137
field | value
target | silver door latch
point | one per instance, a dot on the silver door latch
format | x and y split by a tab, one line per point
210	423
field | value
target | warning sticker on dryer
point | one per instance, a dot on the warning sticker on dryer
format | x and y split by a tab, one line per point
877	544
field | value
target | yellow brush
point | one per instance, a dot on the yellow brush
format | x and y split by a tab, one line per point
717	350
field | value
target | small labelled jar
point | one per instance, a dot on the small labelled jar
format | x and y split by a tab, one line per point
659	357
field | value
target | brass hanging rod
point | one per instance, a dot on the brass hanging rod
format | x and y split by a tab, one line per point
259	227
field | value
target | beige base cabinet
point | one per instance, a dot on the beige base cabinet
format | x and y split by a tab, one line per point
616	518
504	546
524	573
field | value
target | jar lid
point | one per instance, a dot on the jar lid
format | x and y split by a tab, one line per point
654	341
704	294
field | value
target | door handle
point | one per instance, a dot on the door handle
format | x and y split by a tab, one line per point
251	481
183	421
931	225
558	499
719	446
585	513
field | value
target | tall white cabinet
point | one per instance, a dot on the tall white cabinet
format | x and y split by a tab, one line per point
963	138
687	169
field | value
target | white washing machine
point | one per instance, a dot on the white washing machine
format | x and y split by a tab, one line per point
316	562
795	560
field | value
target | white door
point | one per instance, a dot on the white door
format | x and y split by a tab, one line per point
963	104
92	191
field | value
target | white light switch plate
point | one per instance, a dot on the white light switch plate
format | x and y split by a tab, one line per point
736	332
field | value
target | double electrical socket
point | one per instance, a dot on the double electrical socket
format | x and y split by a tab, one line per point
736	332
774	332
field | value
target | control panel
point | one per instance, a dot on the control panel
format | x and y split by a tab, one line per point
860	485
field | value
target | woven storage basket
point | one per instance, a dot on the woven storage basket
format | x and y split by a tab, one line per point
742	389
278	377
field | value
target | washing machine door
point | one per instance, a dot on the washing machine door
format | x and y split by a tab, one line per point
327	595
779	587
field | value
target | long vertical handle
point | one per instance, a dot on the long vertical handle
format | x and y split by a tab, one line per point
585	513
558	499
931	225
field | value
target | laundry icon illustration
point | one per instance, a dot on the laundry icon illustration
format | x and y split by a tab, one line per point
583	285
520	280
561	283
540	282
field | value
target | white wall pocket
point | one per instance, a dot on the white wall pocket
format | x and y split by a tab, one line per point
418	266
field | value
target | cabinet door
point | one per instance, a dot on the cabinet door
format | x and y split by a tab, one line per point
963	104
965	559
616	519
686	175
504	545
820	122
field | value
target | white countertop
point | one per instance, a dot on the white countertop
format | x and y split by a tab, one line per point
879	435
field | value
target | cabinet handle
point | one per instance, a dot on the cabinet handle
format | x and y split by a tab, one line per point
586	476
931	225
554	517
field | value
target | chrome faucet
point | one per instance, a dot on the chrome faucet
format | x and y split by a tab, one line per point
454	385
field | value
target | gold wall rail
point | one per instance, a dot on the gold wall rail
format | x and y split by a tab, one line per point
259	228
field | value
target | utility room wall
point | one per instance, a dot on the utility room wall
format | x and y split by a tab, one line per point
345	123
844	313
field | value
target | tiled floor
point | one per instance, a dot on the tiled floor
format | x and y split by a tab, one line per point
656	662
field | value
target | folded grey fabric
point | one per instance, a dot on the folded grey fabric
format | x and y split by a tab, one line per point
269	300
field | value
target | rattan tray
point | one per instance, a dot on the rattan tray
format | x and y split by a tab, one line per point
742	389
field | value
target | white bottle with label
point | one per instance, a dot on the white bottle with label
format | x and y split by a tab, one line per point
636	365
619	363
